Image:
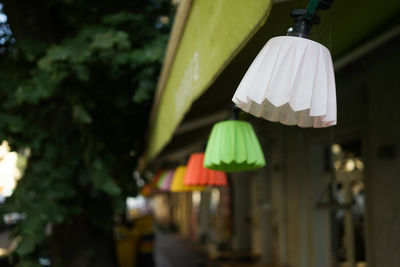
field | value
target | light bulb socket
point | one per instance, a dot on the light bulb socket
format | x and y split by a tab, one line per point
302	24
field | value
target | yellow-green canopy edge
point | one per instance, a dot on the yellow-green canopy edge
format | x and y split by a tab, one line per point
207	34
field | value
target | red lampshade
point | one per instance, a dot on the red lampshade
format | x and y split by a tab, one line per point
196	174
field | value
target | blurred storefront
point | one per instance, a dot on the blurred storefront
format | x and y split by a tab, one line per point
327	197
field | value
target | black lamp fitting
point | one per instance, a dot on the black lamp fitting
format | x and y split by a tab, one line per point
235	112
302	26
303	21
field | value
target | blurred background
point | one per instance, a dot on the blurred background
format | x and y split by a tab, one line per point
101	101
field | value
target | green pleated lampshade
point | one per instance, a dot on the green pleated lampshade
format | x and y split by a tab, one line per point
233	146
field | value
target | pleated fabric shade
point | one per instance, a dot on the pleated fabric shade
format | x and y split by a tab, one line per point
233	146
177	184
157	176
164	183
149	189
290	81
146	190
196	174
161	178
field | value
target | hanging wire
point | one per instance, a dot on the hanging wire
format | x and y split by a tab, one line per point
235	112
311	9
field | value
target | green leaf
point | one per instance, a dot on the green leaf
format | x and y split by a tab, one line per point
42	86
122	17
32	49
82	72
58	53
81	115
103	181
25	246
110	39
144	91
14	124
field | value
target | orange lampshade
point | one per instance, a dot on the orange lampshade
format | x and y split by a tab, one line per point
177	184
149	189
146	190
196	174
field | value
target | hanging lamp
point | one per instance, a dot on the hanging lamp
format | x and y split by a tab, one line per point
149	189
292	79
160	178
157	176
164	183
196	174
145	191
177	184
233	146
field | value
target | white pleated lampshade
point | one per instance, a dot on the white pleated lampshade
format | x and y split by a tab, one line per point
291	81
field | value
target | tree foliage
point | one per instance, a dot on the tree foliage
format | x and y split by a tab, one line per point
75	88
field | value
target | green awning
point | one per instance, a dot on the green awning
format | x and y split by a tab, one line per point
207	36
